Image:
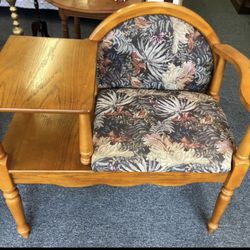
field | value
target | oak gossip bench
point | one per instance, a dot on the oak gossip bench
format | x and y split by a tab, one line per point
57	135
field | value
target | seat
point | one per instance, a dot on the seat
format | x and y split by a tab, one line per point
159	70
151	130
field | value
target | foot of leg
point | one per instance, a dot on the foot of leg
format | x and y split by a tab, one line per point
212	227
220	207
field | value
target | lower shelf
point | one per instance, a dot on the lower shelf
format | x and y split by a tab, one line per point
43	142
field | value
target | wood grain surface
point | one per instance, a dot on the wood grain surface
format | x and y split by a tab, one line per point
43	142
92	6
47	75
83	178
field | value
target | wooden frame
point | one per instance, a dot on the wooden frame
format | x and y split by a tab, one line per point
69	172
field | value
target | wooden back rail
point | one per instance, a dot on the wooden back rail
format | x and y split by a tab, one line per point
150	8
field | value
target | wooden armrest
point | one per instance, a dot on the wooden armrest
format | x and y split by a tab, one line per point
242	64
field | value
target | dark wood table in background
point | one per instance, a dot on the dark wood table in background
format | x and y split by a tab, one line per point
93	9
242	6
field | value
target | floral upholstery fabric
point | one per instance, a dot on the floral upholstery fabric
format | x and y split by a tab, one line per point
155	52
160	131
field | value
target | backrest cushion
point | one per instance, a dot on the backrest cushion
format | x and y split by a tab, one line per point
155	52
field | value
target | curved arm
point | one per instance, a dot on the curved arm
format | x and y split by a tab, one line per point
242	64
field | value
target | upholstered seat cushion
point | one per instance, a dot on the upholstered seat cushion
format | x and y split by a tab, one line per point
151	130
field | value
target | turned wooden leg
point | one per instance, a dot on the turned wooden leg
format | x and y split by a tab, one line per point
77	27
240	167
86	144
64	22
220	207
12	197
14	203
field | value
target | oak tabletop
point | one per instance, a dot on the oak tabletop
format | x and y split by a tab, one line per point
92	6
47	75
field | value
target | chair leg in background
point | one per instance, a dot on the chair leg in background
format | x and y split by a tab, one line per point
64	22
77	27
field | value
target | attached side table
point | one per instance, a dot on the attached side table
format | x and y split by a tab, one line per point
93	9
46	82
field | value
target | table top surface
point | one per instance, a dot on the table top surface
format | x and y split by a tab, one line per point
92	6
49	75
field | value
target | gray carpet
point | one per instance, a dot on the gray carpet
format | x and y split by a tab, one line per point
142	216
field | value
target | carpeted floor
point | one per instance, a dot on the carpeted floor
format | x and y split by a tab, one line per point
142	216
